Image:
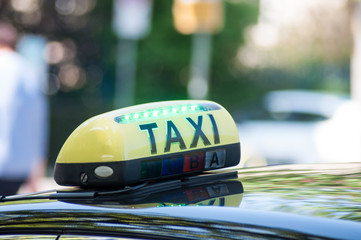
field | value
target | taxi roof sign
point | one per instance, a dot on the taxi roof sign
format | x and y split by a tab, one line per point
148	142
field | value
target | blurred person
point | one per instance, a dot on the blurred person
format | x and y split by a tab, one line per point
23	114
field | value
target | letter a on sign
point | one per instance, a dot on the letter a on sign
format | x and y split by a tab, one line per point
215	159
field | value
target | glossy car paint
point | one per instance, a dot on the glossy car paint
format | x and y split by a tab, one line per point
294	201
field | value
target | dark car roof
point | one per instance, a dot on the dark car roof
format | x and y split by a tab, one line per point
282	201
189	222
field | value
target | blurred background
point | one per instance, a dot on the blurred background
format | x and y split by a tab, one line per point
284	69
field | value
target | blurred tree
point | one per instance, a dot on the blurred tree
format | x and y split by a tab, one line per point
81	53
164	57
304	40
230	85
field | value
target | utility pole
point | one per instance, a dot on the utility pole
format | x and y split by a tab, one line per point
131	22
202	18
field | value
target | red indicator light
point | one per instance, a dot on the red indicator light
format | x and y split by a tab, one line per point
193	162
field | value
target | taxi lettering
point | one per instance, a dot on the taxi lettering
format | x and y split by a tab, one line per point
173	135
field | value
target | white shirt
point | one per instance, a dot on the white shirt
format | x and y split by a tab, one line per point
23	117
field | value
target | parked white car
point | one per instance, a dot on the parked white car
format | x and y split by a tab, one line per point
286	132
339	138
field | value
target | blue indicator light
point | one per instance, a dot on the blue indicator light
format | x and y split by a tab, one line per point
172	166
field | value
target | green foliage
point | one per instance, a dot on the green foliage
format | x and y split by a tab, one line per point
230	85
162	62
162	58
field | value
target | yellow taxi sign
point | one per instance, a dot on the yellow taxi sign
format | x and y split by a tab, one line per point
148	142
